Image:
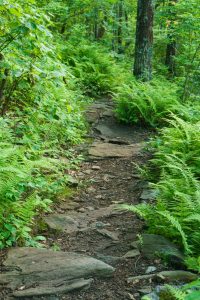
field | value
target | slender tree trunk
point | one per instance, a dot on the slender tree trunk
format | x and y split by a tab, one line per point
96	19
120	23
170	56
144	40
171	46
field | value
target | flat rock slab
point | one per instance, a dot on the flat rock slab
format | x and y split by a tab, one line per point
38	272
59	222
111	129
78	221
156	245
109	150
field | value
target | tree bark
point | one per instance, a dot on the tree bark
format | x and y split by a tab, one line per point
120	23
144	40
171	46
170	56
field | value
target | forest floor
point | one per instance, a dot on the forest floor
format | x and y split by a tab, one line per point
109	177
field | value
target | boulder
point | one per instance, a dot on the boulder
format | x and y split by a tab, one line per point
154	245
38	272
109	150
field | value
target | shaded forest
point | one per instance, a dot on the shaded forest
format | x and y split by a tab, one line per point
56	58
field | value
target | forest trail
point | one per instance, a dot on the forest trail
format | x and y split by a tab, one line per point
88	225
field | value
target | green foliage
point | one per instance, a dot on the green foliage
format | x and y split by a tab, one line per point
94	68
20	203
41	106
146	103
176	213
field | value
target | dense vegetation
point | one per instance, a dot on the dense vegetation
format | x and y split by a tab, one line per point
54	57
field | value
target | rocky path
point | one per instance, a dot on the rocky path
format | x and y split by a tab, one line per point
98	256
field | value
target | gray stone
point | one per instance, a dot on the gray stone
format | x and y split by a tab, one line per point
81	210
145	290
92	116
167	276
148	194
108	113
150	269
72	182
111	260
132	253
156	245
135	244
38	272
63	223
46	290
69	205
178	275
106	150
112	235
96	168
140	277
115	130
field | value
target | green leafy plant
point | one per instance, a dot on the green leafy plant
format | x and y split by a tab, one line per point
146	103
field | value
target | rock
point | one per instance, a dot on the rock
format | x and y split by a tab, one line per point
69	205
140	277
46	290
132	254
99	225
166	276
98	197
72	182
131	297
135	244
118	141
106	150
108	113
155	245
148	194
81	210
90	208
96	168
112	235
178	275
150	269
111	260
88	172
114	130
145	290
39	272
63	223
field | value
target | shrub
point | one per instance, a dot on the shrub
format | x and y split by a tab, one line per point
146	103
176	211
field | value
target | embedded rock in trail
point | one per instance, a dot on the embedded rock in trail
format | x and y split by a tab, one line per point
38	272
79	221
61	223
111	129
132	253
111	260
148	194
156	245
98	110
179	275
109	150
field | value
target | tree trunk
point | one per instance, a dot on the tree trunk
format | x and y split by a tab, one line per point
119	31
170	55
144	40
171	46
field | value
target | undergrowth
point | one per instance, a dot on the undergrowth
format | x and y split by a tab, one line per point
176	210
146	103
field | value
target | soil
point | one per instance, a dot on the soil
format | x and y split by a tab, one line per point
106	182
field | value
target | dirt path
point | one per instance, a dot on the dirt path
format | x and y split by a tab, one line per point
89	223
111	181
